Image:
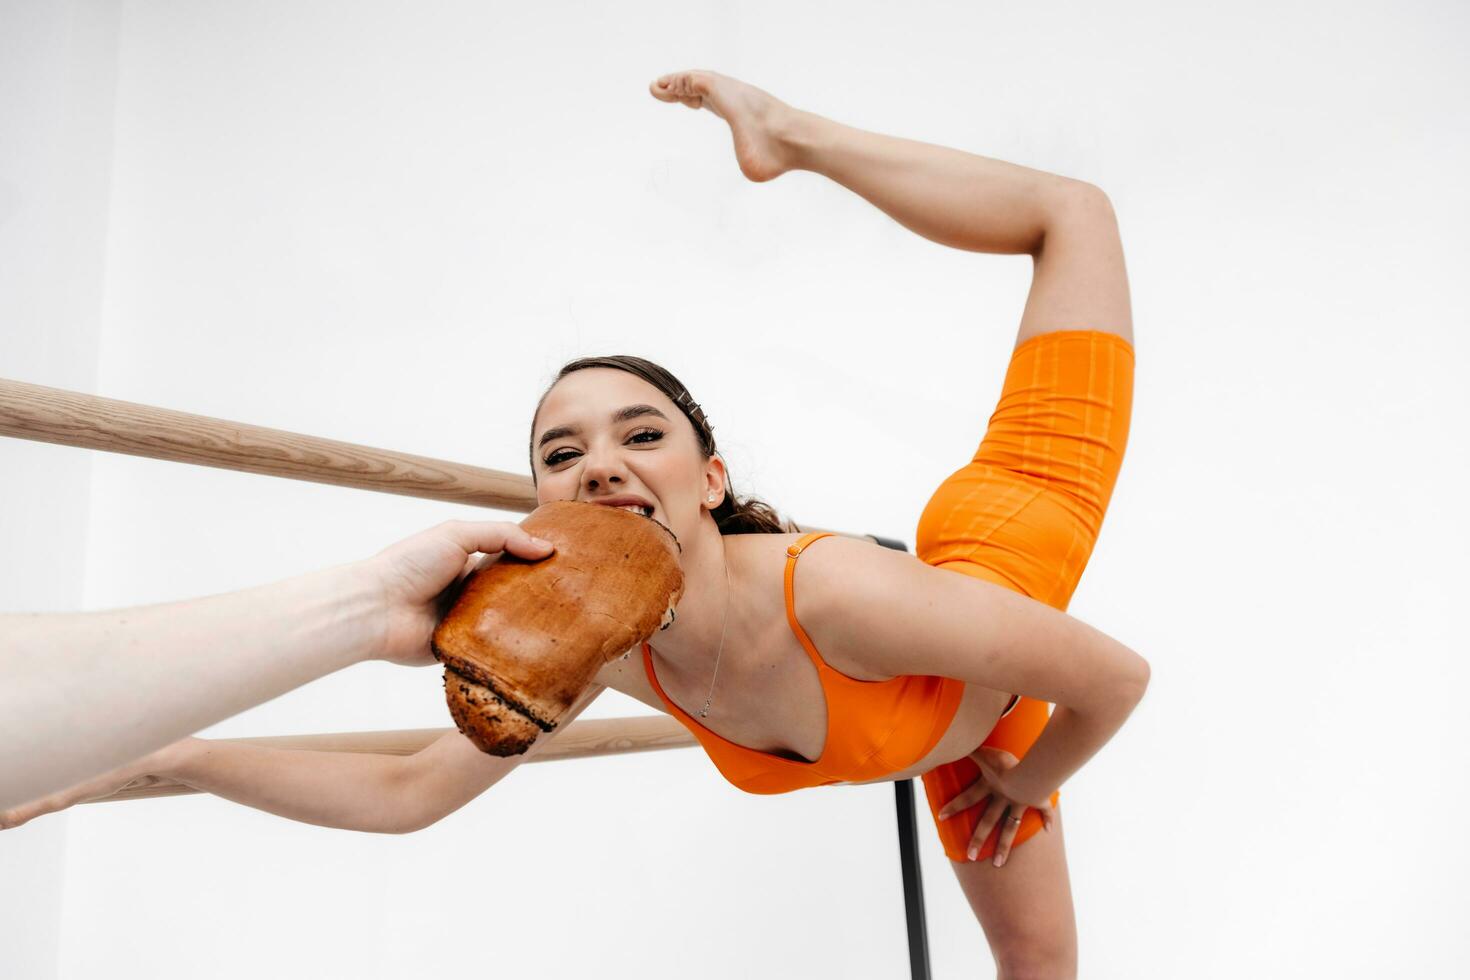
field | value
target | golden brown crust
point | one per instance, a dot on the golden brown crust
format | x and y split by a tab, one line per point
525	638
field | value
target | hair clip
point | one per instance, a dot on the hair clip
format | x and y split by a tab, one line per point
694	409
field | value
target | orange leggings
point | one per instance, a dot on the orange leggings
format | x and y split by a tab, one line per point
1025	513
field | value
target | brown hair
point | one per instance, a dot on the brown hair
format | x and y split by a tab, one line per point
733	515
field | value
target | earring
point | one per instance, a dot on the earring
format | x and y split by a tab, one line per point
711	498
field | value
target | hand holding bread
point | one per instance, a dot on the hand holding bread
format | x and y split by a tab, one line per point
416	579
524	638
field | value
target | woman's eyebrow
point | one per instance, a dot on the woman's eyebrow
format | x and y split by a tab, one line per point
621	415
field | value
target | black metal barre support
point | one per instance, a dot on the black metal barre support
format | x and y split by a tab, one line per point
913	879
908	854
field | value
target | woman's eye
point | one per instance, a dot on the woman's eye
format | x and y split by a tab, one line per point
558	457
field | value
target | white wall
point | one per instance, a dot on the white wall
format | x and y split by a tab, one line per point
57	74
390	223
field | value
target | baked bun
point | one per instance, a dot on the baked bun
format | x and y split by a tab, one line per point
524	638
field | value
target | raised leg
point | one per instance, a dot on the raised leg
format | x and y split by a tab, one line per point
949	196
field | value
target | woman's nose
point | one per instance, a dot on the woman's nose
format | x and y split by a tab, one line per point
601	469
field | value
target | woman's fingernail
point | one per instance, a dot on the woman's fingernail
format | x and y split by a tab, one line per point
971	852
999	860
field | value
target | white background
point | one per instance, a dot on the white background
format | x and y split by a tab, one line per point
390	223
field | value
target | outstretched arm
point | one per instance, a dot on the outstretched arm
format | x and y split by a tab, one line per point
370	792
82	693
378	793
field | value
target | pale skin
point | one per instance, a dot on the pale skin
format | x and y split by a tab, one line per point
84	692
767	695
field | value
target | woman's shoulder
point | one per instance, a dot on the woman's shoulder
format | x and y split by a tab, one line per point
835	552
836	578
825	568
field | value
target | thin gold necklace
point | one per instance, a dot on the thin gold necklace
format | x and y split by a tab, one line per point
724	621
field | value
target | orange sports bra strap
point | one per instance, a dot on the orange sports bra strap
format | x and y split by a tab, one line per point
792	553
796	549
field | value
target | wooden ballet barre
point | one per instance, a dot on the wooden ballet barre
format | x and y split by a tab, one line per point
580	740
73	418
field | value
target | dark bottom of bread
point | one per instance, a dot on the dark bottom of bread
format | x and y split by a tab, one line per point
486	719
472	672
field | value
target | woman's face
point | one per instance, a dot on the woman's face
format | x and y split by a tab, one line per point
603	433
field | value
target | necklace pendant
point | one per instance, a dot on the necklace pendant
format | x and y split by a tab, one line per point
704	712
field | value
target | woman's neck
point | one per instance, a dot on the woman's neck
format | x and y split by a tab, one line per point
691	644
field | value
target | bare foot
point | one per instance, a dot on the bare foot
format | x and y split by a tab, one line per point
758	120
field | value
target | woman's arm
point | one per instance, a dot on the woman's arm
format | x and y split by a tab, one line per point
349	790
370	792
897	615
353	791
356	791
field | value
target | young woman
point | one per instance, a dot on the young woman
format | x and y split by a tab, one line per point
869	664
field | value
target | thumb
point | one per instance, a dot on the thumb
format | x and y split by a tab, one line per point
994	763
490	537
998	760
523	544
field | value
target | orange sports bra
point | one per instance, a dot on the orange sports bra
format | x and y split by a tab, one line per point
873	727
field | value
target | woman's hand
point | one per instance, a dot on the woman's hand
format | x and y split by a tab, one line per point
993	786
418	578
155	764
